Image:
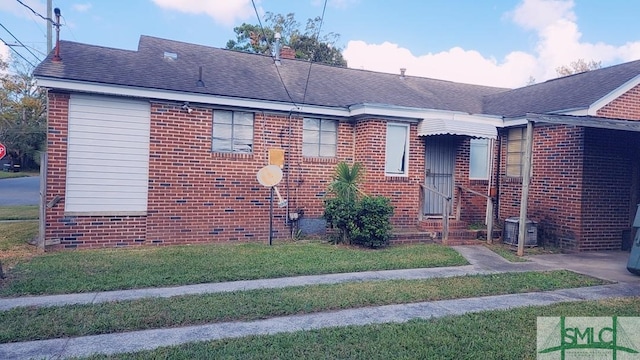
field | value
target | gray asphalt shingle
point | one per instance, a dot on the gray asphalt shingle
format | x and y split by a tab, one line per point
252	76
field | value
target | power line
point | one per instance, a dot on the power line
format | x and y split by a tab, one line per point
306	85
69	27
269	47
260	23
20	42
14	50
36	13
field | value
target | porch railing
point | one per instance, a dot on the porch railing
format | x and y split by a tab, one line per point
446	205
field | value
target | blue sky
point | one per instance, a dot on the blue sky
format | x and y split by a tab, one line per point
489	42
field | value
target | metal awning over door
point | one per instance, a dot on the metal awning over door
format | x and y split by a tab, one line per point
428	127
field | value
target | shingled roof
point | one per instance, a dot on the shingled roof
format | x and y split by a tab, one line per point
568	93
251	76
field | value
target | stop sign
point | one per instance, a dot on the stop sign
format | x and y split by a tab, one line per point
3	151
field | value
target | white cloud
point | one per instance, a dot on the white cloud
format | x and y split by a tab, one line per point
81	7
558	43
226	12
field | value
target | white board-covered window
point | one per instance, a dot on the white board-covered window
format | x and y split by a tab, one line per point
107	156
397	150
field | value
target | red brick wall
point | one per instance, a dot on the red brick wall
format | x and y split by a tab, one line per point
627	106
404	192
472	207
197	196
555	195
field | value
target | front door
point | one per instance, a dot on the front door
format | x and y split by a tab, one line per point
440	160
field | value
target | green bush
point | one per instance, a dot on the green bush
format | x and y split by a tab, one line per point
360	219
372	227
340	213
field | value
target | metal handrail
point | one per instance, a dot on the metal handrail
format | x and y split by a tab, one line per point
490	201
445	212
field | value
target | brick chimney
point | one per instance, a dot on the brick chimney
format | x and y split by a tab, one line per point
287	53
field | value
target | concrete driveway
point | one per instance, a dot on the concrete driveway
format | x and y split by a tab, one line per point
608	265
20	191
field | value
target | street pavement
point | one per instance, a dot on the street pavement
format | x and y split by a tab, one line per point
482	261
20	191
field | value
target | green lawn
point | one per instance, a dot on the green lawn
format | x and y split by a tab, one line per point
23	324
10	175
112	269
19	212
505	334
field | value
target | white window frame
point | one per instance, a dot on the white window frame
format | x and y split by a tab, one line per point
488	156
233	138
391	150
321	139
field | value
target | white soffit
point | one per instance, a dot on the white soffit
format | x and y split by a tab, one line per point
428	127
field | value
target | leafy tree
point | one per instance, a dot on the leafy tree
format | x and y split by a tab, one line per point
253	38
578	66
22	115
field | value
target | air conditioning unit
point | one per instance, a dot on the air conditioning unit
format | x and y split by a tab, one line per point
512	228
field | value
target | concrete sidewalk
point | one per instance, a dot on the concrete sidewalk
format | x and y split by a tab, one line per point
483	261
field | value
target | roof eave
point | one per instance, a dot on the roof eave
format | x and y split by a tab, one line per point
616	93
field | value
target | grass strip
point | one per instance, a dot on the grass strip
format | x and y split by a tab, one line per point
500	334
23	324
114	269
11	175
19	212
504	251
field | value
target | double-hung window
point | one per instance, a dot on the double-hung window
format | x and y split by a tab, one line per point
319	137
397	150
232	131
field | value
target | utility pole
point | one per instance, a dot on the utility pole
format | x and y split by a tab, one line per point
49	27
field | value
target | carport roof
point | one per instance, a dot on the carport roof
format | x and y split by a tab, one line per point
587	121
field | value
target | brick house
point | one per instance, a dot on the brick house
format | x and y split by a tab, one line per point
162	145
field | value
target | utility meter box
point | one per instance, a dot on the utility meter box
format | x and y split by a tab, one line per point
512	228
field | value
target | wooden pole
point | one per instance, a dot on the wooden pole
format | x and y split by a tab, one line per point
445	220
526	179
490	221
